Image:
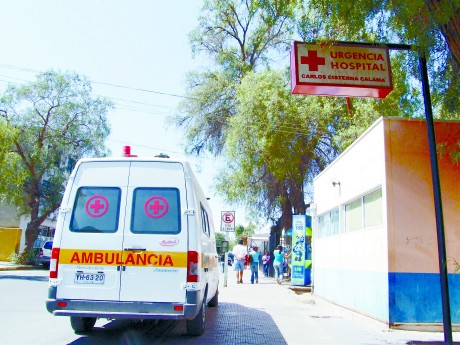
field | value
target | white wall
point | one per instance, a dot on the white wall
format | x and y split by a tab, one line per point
351	269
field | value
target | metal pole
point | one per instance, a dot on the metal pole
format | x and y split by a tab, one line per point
437	204
225	268
227	238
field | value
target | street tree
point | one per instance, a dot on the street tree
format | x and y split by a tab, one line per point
237	36
243	232
273	142
53	121
278	142
275	145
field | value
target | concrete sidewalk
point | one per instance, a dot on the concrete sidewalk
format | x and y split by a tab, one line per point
267	313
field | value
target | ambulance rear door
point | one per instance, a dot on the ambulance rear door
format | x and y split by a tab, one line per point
155	239
90	244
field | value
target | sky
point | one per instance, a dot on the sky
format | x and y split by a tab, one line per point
135	52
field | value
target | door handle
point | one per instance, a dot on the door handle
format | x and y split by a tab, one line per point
135	249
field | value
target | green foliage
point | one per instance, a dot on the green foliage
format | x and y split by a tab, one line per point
242	231
275	143
403	101
238	36
27	257
452	151
204	114
51	121
431	26
219	237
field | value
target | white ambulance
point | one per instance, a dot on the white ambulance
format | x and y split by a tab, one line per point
134	239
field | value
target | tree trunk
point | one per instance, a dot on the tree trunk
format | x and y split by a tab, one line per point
32	231
286	211
33	228
449	29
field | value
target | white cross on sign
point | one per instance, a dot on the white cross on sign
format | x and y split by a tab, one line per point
227	221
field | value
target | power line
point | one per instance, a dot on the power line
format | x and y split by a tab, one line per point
102	83
140	110
6	76
141	103
142	90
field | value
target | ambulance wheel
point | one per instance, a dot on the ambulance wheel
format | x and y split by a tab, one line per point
214	302
196	326
82	324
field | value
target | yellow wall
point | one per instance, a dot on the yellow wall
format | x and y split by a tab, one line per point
9	242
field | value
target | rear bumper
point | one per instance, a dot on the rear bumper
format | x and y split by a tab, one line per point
126	310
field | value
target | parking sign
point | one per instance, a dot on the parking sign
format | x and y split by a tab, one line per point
227	221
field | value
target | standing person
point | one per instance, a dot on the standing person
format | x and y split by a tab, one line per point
254	264
278	261
266	262
239	252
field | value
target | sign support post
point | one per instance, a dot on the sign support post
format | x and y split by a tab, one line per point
443	274
225	267
442	257
227	225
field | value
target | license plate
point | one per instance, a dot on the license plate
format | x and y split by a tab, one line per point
89	278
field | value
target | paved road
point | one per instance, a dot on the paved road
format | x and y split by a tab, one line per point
263	313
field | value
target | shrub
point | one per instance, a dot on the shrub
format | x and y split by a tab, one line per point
26	257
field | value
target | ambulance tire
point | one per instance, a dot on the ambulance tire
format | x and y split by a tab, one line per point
82	324
195	327
214	302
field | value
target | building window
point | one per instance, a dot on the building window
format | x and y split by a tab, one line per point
334	222
364	212
328	224
354	215
373	209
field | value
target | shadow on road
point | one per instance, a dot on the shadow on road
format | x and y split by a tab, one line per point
20	277
228	324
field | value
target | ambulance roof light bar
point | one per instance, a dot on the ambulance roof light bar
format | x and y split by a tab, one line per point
127	152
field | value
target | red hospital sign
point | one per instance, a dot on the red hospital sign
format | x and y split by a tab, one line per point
349	70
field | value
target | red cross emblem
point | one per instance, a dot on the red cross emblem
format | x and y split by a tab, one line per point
97	206
312	60
156	207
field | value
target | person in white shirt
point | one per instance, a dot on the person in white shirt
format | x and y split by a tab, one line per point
239	252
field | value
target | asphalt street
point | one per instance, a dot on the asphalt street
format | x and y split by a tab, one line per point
263	313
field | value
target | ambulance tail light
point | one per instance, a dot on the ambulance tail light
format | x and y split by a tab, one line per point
54	263
192	266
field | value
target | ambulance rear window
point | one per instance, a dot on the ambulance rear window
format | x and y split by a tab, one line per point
156	211
96	209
